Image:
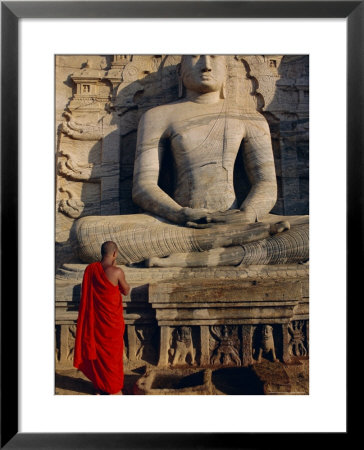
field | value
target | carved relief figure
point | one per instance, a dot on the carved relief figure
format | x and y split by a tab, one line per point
72	207
296	343
145	336
183	346
267	343
201	223
226	351
71	341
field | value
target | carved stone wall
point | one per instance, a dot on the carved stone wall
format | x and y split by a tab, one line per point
203	346
99	101
194	317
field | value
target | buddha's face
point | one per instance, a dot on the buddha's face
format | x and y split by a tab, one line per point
203	73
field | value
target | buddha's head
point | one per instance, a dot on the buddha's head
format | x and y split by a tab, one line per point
203	73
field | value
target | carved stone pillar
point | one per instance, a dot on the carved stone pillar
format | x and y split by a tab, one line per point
63	351
164	345
204	342
286	357
66	344
132	342
247	344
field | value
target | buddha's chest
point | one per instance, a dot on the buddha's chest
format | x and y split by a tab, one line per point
206	138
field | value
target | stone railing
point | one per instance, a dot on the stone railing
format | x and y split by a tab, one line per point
206	317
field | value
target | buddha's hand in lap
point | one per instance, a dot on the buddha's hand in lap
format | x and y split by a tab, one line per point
193	217
229	217
237	216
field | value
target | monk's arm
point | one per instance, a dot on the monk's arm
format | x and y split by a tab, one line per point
259	166
123	285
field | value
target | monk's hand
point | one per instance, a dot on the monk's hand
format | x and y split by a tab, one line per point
193	217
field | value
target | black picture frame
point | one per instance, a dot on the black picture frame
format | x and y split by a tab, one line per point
11	12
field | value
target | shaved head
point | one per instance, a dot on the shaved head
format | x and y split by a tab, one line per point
108	248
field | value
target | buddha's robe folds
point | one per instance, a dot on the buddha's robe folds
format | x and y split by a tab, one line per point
100	330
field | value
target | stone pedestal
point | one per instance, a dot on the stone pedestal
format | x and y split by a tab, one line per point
209	317
224	323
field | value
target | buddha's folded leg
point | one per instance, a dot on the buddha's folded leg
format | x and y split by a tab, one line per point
291	246
229	256
141	236
137	237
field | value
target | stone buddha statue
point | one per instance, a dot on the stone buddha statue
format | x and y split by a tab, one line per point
201	223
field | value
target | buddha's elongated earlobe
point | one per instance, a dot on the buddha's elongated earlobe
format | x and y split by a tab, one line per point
223	90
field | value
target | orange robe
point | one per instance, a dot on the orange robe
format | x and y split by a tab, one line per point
100	328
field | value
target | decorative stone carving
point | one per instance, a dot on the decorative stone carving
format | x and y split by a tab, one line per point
297	338
88	147
71	341
74	170
266	343
71	207
88	97
265	71
182	350
146	350
92	173
226	352
115	74
147	81
82	132
66	338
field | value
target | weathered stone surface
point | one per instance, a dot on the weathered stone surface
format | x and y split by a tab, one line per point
274	378
264	379
174	382
218	291
199	302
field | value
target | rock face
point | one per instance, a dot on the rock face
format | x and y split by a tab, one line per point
99	103
100	100
202	134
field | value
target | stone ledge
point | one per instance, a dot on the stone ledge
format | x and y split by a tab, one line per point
236	291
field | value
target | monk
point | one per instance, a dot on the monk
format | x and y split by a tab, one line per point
100	325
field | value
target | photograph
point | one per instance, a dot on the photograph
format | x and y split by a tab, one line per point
179	225
182	224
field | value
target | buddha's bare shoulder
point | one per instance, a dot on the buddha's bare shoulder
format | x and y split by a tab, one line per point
161	112
254	122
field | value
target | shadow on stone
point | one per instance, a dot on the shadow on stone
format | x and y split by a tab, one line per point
77	385
74	385
175	381
237	381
